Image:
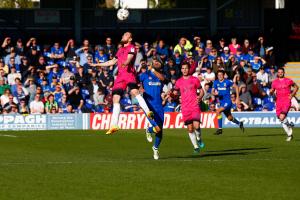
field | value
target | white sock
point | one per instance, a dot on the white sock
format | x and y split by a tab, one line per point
142	103
194	140
285	127
115	114
198	134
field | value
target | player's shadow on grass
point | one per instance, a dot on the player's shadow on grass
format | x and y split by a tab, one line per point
227	152
266	135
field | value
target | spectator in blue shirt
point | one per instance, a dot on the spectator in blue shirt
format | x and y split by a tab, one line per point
162	50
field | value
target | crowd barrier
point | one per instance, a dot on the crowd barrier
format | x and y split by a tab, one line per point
101	121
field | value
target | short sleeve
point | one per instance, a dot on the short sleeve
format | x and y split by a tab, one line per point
197	83
131	50
230	83
215	85
291	82
142	77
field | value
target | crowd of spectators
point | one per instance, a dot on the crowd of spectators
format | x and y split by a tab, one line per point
37	78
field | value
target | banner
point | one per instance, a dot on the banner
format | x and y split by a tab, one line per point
21	122
45	122
139	121
261	119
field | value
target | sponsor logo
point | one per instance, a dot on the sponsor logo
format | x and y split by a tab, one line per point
20	122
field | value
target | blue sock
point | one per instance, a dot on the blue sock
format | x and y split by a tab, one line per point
158	138
236	121
220	121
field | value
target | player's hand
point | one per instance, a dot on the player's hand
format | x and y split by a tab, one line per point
290	96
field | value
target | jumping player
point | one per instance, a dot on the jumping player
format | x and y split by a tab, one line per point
126	78
221	89
152	83
188	86
282	87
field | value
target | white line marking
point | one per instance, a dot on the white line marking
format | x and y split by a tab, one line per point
135	161
14	136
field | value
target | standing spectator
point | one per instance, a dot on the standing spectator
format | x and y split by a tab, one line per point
37	106
183	45
162	50
32	44
225	55
234	46
139	55
57	53
197	43
6	46
260	47
246	46
270	57
109	47
70	49
33	56
258	63
221	46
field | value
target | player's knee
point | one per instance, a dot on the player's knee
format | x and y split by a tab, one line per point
282	116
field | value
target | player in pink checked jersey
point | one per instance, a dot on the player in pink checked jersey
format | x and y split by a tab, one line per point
126	78
188	87
282	87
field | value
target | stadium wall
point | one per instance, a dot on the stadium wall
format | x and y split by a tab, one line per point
100	121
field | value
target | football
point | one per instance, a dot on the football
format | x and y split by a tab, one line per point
122	14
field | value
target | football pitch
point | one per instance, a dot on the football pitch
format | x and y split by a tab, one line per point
88	165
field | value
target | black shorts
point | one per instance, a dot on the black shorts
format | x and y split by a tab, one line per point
188	122
130	87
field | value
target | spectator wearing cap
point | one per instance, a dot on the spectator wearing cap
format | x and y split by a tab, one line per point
258	63
70	49
198	43
263	76
221	46
53	83
234	46
208	47
250	56
13	75
50	104
109	47
183	45
246	46
71	84
100	55
37	106
66	75
225	55
24	65
83	54
3	86
45	85
239	54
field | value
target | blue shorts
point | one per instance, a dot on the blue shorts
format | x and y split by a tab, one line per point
227	107
158	112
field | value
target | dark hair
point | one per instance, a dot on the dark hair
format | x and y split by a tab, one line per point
281	68
186	63
221	71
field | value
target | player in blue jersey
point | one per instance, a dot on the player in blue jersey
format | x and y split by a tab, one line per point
221	89
152	83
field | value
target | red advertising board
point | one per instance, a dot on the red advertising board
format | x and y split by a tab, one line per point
100	121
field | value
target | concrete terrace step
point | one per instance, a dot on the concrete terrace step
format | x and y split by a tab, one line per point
292	70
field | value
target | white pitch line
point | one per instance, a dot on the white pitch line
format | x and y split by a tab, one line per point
134	161
14	136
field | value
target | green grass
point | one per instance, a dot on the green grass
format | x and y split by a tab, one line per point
86	165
